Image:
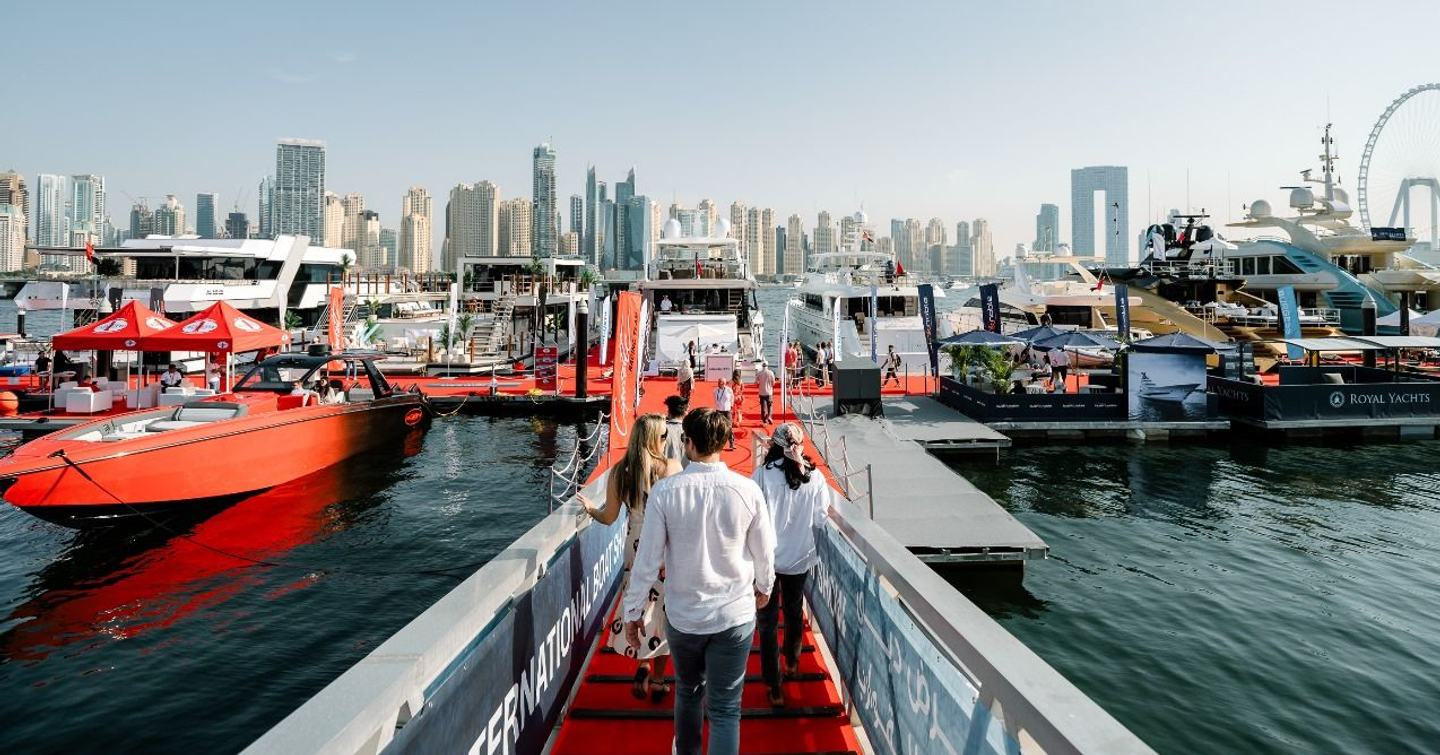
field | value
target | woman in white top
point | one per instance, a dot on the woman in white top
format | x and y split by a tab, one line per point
630	481
799	500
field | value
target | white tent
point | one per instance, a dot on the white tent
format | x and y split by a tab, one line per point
673	332
1426	324
1393	319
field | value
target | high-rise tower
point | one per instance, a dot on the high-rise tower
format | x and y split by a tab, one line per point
297	205
415	219
545	218
1114	182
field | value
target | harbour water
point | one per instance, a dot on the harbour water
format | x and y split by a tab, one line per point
1241	599
163	641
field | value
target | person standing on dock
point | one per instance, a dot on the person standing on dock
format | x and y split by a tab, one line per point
724	403
690	354
685	380
709	527
1060	363
630	483
675	408
798	501
765	390
892	366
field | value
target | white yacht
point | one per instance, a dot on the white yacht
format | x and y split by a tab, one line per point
181	275
1058	286
833	303
700	289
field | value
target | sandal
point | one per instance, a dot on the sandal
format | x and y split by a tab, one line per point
642	678
776	697
658	691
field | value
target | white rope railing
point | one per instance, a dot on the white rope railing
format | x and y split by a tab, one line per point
569	475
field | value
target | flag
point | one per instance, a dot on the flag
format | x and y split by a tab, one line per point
866	235
926	294
1099	282
90	251
899	269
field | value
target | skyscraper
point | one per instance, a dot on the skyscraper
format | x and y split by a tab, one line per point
569	244
577	217
142	220
368	251
545	237
334	222
52	211
962	259
639	218
487	198
824	239
205	216
299	190
705	218
624	191
755	241
983	248
87	210
1047	228
265	218
12	237
14	193
849	232
352	205
1114	181
935	246
237	226
415	219
794	246
767	240
738	215
170	217
515	226
390	245
607	229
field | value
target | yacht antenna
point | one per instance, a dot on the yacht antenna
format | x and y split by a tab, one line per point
1328	163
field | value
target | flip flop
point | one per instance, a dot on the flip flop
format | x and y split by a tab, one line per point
658	691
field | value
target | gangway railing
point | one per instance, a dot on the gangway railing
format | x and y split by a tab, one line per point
566	479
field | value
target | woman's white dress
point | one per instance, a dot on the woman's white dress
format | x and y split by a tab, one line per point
652	621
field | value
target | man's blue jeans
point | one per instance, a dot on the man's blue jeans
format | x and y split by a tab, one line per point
711	666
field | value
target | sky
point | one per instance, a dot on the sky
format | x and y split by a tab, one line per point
956	110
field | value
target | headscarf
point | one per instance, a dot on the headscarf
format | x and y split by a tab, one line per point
788	438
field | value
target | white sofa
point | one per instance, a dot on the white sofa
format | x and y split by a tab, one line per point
89	402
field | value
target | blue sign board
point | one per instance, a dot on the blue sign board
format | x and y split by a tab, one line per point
1122	312
1290	320
927	321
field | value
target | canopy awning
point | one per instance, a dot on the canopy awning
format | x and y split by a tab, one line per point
1401	342
128	328
982	338
218	328
1332	344
1176	342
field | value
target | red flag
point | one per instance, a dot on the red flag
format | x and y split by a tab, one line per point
1099	283
865	234
90	251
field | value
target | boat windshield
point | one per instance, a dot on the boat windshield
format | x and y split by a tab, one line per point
282	374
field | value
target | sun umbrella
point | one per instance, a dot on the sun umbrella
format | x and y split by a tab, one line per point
1074	339
983	338
1176	342
1036	333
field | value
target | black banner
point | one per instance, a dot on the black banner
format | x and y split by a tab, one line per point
1030	407
1387	234
927	321
990	307
1309	400
1122	313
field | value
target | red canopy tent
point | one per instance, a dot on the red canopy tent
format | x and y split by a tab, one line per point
128	329
219	328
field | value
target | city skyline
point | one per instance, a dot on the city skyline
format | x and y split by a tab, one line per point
984	153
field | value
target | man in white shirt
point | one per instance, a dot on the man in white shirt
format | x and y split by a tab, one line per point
665	305
765	389
173	377
1060	363
724	402
710	529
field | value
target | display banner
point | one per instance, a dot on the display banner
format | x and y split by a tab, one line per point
547	364
1290	320
990	307
1122	312
625	379
874	323
835	330
784	347
906	693
570	322
927	321
604	330
506	691
336	318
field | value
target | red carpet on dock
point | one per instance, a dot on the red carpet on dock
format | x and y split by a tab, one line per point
604	718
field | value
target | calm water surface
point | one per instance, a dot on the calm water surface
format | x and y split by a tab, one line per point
1235	600
144	641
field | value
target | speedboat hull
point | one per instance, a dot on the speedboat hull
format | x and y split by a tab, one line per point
87	476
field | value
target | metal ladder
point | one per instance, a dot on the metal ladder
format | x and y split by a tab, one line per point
500	322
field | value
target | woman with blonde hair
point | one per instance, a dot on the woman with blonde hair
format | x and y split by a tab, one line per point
629	485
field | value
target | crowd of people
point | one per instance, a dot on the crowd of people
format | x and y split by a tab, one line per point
712	556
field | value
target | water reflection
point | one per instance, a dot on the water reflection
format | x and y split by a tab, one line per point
120	582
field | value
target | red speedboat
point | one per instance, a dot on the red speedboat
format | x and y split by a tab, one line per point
290	416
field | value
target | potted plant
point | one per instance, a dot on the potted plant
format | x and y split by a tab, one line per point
961	356
999	367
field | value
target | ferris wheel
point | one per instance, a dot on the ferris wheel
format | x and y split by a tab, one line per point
1400	168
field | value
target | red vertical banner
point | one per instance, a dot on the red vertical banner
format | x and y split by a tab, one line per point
547	366
625	380
337	318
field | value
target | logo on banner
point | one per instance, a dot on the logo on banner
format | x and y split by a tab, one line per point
927	321
990	307
222	345
199	327
249	326
1337	399
114	326
158	323
130	343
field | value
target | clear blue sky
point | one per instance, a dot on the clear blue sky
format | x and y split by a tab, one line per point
948	109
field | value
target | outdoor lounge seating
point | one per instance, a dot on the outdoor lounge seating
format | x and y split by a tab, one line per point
83	401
